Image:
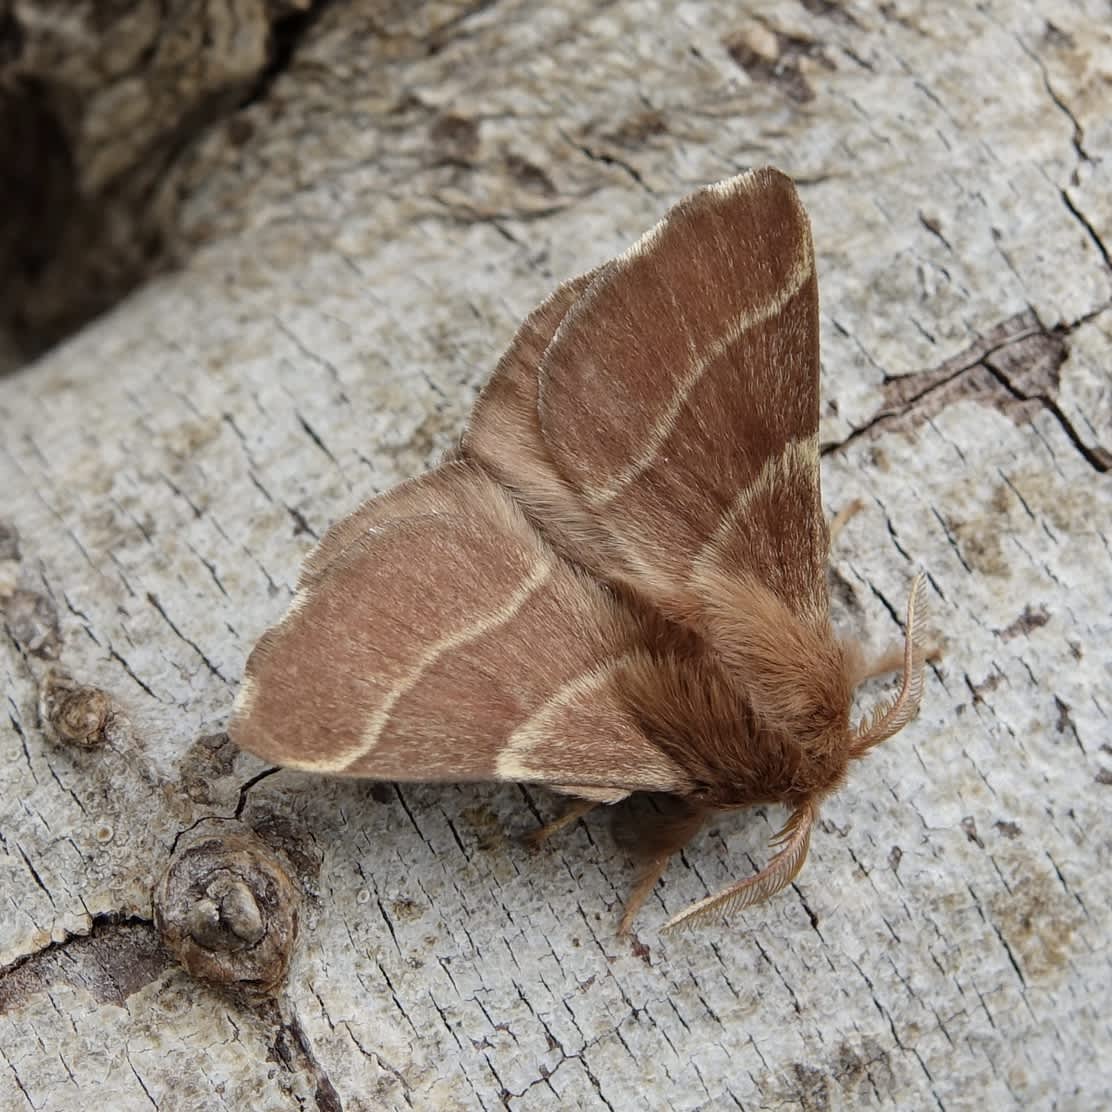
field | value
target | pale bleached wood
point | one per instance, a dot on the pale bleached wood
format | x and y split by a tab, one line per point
365	254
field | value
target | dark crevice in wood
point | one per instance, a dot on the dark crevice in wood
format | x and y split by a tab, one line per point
115	957
67	255
286	35
1014	368
291	1049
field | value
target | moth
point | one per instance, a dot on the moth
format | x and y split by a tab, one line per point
616	582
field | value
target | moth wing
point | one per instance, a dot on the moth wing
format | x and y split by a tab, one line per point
504	435
504	429
442	639
417	497
679	400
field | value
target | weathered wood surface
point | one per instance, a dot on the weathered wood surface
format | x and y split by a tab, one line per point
359	247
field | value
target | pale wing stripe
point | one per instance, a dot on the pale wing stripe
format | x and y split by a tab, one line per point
800	455
513	760
337	762
590	792
655	438
740	183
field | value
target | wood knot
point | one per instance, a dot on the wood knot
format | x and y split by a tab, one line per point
73	713
455	138
227	918
228	910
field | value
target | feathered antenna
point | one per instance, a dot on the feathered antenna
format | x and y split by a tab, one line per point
892	715
793	840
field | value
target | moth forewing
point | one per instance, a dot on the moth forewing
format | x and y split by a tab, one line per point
617	583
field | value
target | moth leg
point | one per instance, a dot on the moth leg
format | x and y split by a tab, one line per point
651	872
573	814
891	660
655	841
839	520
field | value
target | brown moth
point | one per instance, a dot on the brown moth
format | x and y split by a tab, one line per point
617	582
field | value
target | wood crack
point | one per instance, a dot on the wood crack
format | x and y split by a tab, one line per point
1015	366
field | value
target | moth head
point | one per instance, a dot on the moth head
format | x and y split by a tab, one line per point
819	709
799	679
